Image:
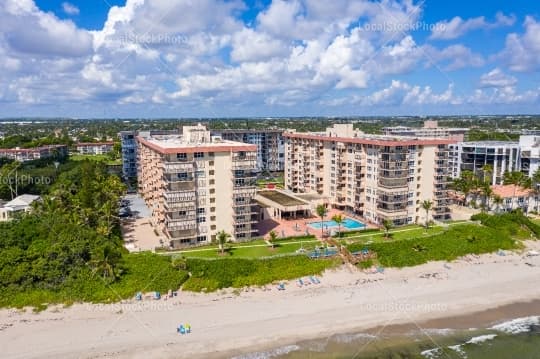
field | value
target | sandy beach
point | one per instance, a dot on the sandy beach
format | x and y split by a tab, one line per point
227	323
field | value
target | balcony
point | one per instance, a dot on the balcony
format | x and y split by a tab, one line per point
169	167
175	217
179	186
175	206
391	183
187	196
181	233
181	226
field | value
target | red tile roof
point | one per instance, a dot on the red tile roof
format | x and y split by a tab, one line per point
510	190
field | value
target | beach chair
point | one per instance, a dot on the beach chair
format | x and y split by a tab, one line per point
181	329
380	270
281	286
138	296
300	283
314	280
157	295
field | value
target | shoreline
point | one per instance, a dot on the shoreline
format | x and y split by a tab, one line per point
434	294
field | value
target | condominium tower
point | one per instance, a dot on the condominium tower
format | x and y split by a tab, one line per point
197	185
376	177
269	142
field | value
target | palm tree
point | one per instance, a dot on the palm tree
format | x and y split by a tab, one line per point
222	238
321	212
487	172
338	218
518	179
535	186
387	224
498	200
105	260
488	193
427	205
272	238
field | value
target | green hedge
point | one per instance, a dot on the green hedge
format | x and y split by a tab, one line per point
456	242
143	272
210	275
359	232
510	222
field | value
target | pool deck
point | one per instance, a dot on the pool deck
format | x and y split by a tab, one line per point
298	227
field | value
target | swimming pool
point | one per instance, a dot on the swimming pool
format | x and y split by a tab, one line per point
348	223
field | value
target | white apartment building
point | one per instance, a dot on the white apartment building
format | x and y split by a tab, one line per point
376	177
197	185
94	148
530	153
431	129
502	156
269	142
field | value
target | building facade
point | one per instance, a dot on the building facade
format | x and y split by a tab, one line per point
431	129
20	204
129	154
376	177
94	148
515	197
530	154
269	142
501	156
36	153
197	185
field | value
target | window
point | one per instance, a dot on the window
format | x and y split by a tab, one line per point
201	238
212	209
200	174
182	213
201	219
185	240
212	200
210	154
213	228
211	172
201	210
183	176
181	156
198	155
212	182
212	218
212	190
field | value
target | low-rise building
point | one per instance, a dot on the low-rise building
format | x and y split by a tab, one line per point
377	177
94	148
20	204
35	153
515	197
431	129
197	185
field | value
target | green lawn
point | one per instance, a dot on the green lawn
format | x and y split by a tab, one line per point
98	158
400	233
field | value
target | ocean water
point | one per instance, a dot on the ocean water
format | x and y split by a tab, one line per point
514	339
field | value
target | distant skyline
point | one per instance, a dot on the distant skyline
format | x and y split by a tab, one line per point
262	58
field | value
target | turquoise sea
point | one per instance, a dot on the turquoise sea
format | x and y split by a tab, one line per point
512	339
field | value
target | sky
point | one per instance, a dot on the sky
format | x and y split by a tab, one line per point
268	58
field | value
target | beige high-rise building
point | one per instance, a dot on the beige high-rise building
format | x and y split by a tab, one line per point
376	177
197	185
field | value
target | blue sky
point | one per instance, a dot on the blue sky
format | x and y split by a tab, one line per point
212	58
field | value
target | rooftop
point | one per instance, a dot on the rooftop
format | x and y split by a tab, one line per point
281	198
490	144
21	202
510	190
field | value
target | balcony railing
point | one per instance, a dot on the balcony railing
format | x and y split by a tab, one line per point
393	182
